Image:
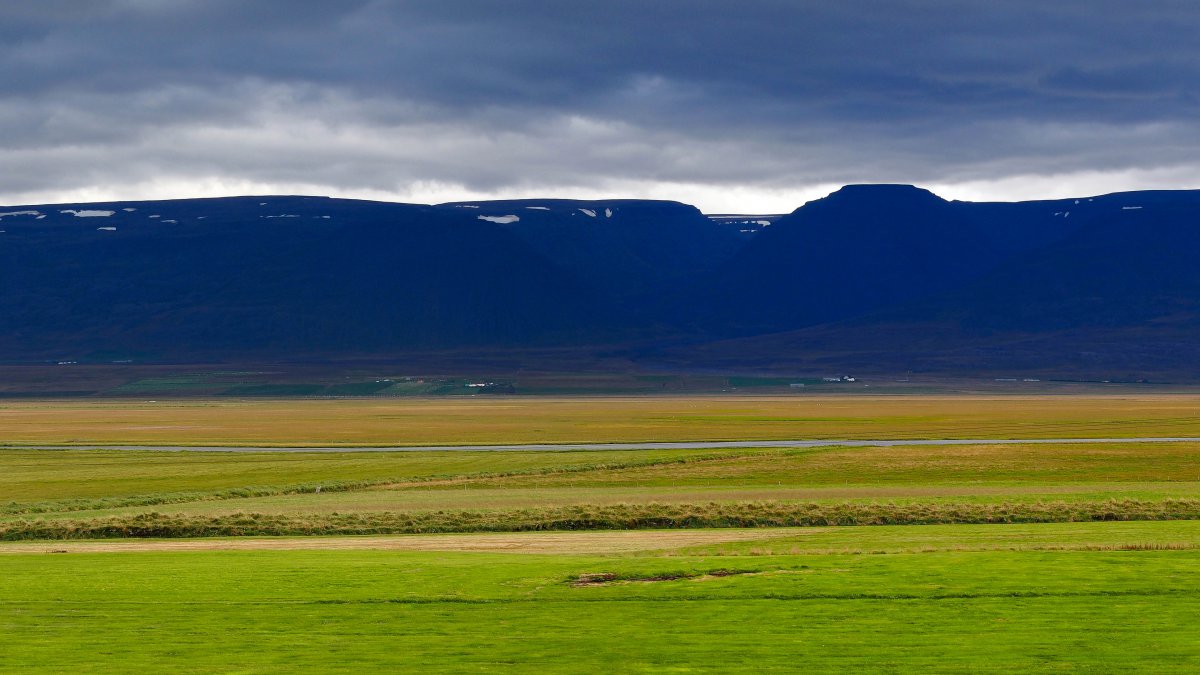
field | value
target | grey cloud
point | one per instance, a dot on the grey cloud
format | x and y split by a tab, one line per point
495	95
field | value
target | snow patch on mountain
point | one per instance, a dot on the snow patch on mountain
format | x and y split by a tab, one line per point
503	220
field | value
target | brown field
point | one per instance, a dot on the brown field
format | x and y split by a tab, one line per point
595	419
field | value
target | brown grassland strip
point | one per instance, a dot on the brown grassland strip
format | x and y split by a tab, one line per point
609	542
1075	536
470	421
615	517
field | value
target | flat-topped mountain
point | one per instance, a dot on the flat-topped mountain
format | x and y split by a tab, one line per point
885	275
317	276
618	246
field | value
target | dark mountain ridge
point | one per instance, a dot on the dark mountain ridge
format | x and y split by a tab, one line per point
288	275
883	277
621	247
866	247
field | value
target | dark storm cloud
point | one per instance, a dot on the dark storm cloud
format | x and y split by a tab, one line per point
521	96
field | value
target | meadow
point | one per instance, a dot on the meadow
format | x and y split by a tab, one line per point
958	558
901	599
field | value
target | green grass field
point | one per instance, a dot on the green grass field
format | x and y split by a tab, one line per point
1014	558
965	601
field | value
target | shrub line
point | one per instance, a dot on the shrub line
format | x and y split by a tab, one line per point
609	517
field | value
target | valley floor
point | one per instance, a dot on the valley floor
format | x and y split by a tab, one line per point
1012	557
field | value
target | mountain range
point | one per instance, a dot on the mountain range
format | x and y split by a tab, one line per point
874	278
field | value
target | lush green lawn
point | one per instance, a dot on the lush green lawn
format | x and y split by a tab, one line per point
1182	535
731	609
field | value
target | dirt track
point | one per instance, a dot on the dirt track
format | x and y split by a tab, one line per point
520	542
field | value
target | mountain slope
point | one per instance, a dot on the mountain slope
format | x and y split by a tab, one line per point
862	248
294	275
619	247
1116	295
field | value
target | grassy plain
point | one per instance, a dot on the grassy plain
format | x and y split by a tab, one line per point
965	601
1087	595
596	419
38	475
90	484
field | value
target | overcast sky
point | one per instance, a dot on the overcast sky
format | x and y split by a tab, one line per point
735	106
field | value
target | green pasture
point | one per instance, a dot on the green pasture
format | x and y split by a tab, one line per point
996	598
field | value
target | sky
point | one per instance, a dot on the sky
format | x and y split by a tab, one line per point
747	106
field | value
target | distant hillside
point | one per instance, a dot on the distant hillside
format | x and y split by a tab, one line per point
616	247
862	248
887	278
1104	287
277	274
